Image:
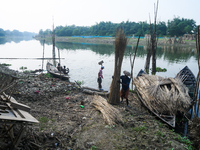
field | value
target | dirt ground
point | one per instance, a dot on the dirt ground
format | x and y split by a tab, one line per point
64	125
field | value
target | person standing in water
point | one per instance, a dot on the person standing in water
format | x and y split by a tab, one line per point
100	77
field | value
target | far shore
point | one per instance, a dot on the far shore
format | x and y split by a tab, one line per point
111	40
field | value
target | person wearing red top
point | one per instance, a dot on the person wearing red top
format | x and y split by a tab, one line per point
100	77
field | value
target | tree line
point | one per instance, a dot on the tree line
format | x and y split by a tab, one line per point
15	33
178	26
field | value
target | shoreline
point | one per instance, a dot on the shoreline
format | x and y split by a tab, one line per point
111	40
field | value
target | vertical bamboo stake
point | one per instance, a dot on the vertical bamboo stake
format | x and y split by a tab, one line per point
43	55
59	61
198	49
149	51
154	44
196	91
132	63
53	51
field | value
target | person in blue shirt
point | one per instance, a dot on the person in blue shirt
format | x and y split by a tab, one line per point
125	81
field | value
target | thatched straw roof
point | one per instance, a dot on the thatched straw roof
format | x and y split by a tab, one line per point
110	114
163	95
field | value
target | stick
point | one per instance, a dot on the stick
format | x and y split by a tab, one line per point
59	61
43	56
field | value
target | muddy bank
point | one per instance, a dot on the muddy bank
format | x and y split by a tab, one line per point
65	125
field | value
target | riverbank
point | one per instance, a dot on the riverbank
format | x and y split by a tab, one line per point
111	40
66	125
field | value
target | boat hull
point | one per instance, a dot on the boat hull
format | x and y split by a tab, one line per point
55	73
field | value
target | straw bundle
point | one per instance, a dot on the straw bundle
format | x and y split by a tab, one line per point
120	46
161	95
110	114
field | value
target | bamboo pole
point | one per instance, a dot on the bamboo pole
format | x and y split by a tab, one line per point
196	91
59	61
43	55
153	40
53	50
149	51
198	49
132	63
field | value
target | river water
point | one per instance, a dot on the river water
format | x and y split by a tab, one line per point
82	59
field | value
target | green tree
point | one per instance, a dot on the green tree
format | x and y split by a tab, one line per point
76	32
179	26
68	32
2	32
41	32
17	33
188	29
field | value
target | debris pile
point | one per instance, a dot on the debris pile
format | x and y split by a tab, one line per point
41	87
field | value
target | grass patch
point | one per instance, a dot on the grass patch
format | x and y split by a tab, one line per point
48	75
43	121
93	148
160	133
158	69
27	71
23	68
4	64
141	128
80	82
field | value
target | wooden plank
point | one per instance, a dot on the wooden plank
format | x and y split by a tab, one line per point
28	117
92	89
16	105
9	98
3	98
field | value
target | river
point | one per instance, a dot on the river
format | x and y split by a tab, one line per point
82	59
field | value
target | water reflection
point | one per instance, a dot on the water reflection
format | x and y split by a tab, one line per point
2	41
172	54
14	39
82	59
98	48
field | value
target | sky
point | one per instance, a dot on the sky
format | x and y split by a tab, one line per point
33	15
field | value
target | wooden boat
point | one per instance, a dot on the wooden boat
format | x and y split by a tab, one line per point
170	120
55	73
166	93
93	91
188	79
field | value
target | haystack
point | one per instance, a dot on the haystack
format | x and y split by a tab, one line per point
110	114
163	95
